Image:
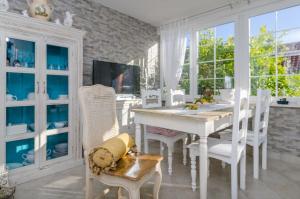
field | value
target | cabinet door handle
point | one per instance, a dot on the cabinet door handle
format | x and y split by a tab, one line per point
44	87
38	87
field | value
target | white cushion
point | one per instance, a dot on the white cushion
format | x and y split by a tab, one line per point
221	147
217	147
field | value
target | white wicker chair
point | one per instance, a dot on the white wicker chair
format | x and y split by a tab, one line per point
100	123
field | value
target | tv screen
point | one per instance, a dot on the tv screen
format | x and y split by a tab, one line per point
125	79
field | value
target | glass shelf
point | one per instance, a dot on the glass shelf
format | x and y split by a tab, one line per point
57	116
57	87
19	87
20	53
57	58
57	146
20	120
19	153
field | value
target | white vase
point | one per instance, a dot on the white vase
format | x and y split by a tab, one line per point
40	9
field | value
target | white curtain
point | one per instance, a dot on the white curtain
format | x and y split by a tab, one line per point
172	52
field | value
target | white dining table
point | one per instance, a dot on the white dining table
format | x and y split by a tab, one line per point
202	122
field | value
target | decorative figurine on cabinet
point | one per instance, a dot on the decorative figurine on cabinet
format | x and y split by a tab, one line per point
40	9
68	21
57	21
4	6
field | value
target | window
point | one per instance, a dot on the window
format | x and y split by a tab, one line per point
275	52
216	58
184	82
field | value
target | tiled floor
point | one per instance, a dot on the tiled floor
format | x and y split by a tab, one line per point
280	181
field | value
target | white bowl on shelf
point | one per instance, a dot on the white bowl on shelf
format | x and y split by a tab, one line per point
59	125
63	97
61	148
16	129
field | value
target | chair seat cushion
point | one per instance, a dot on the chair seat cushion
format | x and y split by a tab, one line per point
221	147
217	147
162	131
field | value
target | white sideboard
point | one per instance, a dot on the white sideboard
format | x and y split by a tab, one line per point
40	73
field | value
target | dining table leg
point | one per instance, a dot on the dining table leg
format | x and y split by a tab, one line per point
138	137
203	167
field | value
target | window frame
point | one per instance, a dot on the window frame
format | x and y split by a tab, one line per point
240	17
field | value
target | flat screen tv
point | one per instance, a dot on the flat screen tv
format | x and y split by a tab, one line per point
125	79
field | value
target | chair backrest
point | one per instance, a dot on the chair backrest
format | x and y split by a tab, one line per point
240	121
98	108
261	119
176	97
151	98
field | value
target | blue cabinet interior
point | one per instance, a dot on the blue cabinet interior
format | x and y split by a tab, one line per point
20	115
19	85
57	85
57	58
16	152
57	113
20	53
53	148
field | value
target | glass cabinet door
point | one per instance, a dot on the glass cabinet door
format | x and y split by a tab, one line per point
20	53
21	107
56	141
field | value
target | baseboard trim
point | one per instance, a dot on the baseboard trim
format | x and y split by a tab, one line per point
20	178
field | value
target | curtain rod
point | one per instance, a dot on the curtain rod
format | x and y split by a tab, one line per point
231	4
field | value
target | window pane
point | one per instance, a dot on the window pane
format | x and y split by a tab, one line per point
262	23
207	37
288	65
289	85
225	41
263	44
206	70
184	82
263	66
204	85
216	57
185	79
263	83
225	68
286	18
288	40
206	53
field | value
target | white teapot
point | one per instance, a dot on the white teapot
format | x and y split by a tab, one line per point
40	9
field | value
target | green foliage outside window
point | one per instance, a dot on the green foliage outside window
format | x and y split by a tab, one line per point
216	60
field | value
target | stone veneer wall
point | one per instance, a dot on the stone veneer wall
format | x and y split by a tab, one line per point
284	133
111	36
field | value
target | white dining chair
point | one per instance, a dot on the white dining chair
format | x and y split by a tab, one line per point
232	152
175	97
258	136
152	99
100	123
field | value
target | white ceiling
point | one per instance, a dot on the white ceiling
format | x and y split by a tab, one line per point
158	12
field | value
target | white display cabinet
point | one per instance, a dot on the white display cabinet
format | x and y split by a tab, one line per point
40	73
